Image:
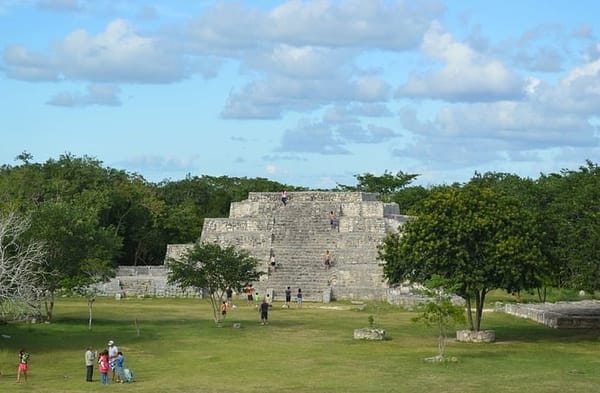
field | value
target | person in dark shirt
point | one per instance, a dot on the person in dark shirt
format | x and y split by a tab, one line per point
264	312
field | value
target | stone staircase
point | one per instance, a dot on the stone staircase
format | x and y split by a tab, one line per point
299	234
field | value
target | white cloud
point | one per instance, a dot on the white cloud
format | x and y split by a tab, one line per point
392	25
105	95
311	137
271	169
306	62
270	98
118	54
465	75
20	63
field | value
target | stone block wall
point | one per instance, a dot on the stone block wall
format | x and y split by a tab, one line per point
298	235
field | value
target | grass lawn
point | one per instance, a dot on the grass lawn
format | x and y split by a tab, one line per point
179	349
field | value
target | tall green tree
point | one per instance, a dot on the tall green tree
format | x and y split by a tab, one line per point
573	212
212	269
80	251
66	200
385	185
474	238
536	197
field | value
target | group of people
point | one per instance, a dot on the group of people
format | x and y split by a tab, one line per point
109	360
262	304
288	298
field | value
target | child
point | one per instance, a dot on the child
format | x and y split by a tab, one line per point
224	310
120	360
23	365
103	367
299	298
257	300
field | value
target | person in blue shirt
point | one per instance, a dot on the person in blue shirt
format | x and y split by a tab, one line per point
119	366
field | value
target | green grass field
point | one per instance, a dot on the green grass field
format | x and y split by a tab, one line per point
179	349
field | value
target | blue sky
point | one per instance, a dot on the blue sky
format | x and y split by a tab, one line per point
308	93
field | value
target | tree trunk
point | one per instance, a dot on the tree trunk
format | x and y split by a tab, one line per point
49	306
442	340
542	292
215	307
90	303
479	300
469	312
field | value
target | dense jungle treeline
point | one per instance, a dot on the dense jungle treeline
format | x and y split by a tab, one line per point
77	205
87	213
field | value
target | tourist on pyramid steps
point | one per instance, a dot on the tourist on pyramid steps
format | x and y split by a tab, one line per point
327	259
288	297
250	294
299	298
264	312
332	221
272	263
284	197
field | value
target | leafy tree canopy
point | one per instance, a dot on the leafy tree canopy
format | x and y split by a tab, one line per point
211	268
385	185
472	237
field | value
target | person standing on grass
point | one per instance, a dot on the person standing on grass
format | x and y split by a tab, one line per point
103	367
288	297
299	298
257	299
264	312
113	354
249	293
229	293
23	365
90	358
120	361
224	310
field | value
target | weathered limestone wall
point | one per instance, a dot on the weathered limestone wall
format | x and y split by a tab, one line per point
143	281
299	234
562	315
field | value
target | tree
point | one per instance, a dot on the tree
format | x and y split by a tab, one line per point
80	251
210	268
573	214
21	268
385	185
441	313
474	238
